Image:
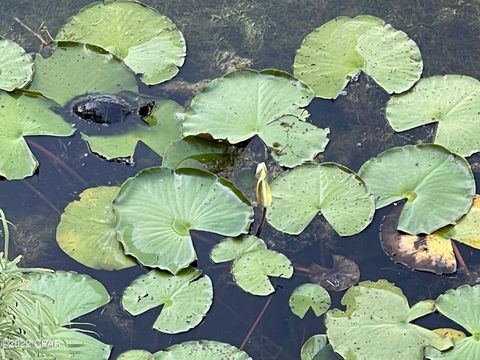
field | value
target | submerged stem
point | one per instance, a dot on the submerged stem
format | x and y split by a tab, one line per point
262	222
459	257
255	323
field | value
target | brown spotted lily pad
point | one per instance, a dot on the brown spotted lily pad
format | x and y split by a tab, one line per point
433	252
343	274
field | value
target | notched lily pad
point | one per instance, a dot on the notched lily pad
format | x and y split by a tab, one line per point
147	42
271	105
333	190
343	274
22	116
186	298
308	296
438	185
16	66
158	207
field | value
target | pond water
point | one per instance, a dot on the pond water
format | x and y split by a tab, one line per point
265	34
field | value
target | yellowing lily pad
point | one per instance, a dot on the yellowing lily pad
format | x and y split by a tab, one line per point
75	69
16	66
158	207
308	296
160	130
451	101
186	298
147	42
23	116
86	231
267	103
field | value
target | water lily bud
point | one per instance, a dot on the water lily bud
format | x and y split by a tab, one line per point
264	194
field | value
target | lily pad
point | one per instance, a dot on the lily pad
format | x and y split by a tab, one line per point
253	263
318	348
16	66
158	207
377	324
308	296
136	355
86	231
462	306
75	69
339	49
202	350
451	101
438	185
271	105
330	189
147	42
343	274
186	298
22	116
160	130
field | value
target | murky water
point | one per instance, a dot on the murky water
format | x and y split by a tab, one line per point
266	32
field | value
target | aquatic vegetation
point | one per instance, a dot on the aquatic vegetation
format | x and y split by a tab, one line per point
158	207
336	192
64	75
451	101
343	274
335	52
86	231
16	66
21	116
377	324
186	298
253	263
462	306
438	186
272	107
308	296
147	42
318	348
157	131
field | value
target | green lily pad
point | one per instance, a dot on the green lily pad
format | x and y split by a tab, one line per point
451	101
86	231
202	350
75	70
147	42
136	355
268	103
68	343
253	263
308	296
337	192
335	52
194	152
377	324
22	116
438	185
318	348
158	207
186	298
461	305
16	66
162	129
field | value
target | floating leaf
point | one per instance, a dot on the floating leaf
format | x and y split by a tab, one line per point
86	231
271	105
158	207
22	116
343	274
186	298
438	185
335	52
330	189
147	42
202	350
161	129
318	348
75	70
461	305
16	66
253	263
136	355
377	324
308	296
451	101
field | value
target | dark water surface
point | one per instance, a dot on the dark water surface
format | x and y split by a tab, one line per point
267	32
